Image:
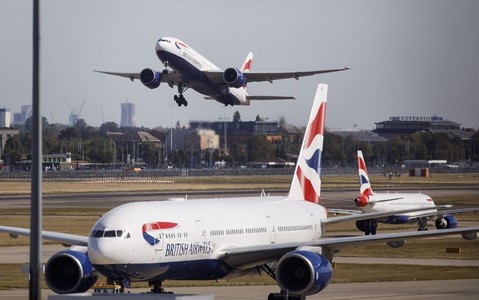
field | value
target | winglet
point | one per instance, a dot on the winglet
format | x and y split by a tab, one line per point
306	184
246	67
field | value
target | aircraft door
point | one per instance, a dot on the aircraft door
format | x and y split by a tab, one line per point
271	229
161	239
200	230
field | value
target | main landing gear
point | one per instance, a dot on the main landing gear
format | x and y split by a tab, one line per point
156	287
422	224
180	99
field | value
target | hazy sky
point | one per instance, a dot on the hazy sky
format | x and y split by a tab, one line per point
407	58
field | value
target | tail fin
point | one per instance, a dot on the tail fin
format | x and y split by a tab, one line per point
364	183
246	67
306	182
365	189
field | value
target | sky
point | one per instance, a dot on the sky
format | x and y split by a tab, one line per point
407	58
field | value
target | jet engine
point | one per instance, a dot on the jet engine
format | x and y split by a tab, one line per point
70	271
150	78
234	78
367	226
446	222
361	201
303	272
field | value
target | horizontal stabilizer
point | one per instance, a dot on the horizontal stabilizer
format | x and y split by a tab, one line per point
270	97
260	98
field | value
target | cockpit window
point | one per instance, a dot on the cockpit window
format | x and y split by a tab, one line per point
110	233
97	233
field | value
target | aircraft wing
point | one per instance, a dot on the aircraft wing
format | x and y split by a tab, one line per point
456	211
271	76
238	257
171	77
217	76
64	238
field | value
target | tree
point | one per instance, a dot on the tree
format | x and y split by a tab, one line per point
259	147
109	126
236	117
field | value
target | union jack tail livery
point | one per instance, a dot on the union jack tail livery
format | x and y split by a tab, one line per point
246	67
364	184
306	183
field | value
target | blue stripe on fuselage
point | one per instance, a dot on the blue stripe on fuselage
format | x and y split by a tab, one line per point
182	270
196	78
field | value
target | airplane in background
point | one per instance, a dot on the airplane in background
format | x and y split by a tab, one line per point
191	70
369	201
182	239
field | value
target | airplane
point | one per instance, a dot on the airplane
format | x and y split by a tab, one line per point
369	201
185	239
189	69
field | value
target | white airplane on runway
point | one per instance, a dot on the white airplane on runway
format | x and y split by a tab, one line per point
183	239
191	70
369	201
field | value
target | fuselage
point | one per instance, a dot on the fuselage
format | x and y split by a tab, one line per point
156	240
192	65
380	202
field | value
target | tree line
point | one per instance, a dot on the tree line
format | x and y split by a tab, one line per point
91	144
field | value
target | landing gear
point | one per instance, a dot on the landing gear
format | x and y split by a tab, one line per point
156	287
180	99
422	223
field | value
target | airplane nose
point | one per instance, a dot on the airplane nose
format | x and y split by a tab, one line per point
100	251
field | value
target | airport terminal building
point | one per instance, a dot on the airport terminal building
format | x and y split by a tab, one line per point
401	125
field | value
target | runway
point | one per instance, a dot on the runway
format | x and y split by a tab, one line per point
466	289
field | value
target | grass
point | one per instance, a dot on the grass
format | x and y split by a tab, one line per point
235	183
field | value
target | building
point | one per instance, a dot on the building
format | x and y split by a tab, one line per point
5	134
5	118
239	132
202	139
127	115
411	124
23	115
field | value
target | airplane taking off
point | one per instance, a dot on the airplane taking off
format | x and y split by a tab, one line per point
191	70
368	201
182	239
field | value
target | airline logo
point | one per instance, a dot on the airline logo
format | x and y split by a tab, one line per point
309	168
148	229
180	45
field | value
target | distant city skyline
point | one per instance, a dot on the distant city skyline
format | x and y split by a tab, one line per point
409	57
